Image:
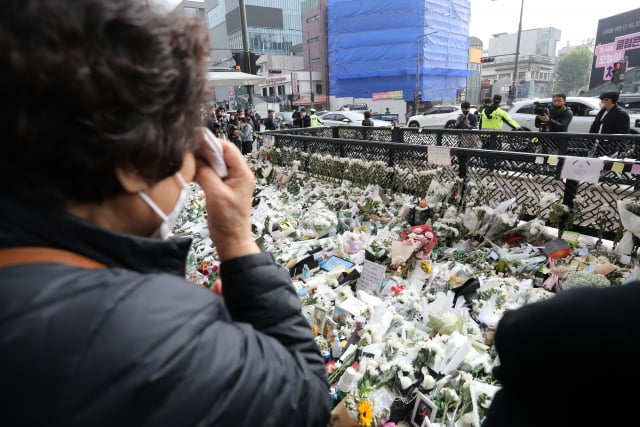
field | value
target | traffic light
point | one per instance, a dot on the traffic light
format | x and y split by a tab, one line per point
417	97
617	71
512	92
275	71
245	63
486	59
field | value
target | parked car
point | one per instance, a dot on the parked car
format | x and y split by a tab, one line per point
355	107
584	108
630	102
435	117
390	117
349	118
284	119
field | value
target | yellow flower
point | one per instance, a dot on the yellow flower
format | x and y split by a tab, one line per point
366	415
426	267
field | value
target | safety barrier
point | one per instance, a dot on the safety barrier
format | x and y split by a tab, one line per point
516	163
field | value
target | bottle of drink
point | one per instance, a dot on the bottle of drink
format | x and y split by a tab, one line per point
336	348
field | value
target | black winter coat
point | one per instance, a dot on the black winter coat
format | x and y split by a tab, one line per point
135	344
555	354
616	121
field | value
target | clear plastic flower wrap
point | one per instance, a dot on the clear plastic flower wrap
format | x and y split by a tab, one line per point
628	211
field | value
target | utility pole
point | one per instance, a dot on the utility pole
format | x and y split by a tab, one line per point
515	66
245	47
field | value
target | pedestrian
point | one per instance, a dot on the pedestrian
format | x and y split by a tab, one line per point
270	121
233	129
314	120
246	135
552	348
611	119
492	116
386	111
211	120
305	122
296	118
367	119
98	325
558	118
466	120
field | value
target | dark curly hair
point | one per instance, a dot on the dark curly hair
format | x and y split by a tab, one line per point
91	84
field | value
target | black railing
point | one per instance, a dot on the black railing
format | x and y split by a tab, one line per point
518	164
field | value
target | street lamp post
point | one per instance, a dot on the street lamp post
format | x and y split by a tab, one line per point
311	100
418	57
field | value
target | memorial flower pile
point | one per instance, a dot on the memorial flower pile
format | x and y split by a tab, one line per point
412	291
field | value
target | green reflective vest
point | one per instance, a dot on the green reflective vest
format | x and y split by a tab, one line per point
314	120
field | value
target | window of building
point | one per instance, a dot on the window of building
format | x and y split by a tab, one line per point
319	89
281	90
264	91
313	18
272	91
190	11
314	39
315	60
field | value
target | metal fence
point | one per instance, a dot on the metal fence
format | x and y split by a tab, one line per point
515	162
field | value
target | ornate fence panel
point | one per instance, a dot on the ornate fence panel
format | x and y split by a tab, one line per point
520	169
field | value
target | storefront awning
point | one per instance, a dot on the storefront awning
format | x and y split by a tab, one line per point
318	99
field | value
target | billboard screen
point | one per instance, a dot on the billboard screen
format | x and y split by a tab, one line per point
618	39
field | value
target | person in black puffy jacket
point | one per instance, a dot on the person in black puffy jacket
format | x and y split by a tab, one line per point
99	139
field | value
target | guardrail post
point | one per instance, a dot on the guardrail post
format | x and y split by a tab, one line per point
396	134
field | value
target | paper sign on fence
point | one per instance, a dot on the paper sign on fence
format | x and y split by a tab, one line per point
582	169
440	156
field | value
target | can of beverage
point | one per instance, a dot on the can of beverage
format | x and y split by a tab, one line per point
326	356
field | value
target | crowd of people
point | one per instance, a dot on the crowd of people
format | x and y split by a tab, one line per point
235	126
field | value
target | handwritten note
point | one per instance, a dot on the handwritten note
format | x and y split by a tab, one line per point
440	156
371	276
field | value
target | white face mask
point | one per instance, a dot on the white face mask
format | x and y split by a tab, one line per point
601	104
168	221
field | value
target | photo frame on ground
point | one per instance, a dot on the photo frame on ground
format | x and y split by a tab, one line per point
335	262
424	411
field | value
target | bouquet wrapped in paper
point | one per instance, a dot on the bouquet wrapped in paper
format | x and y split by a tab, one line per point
629	211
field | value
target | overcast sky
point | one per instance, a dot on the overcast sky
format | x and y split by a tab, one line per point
577	19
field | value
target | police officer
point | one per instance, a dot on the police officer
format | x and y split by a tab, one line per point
314	120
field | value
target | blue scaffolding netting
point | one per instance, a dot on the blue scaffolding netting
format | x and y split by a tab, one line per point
377	45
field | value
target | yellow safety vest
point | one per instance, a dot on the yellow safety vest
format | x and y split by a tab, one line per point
314	120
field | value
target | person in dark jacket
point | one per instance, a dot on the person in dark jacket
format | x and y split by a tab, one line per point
558	118
270	121
466	120
611	119
367	119
555	355
98	325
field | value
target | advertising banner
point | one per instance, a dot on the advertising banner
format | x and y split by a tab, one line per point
618	39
